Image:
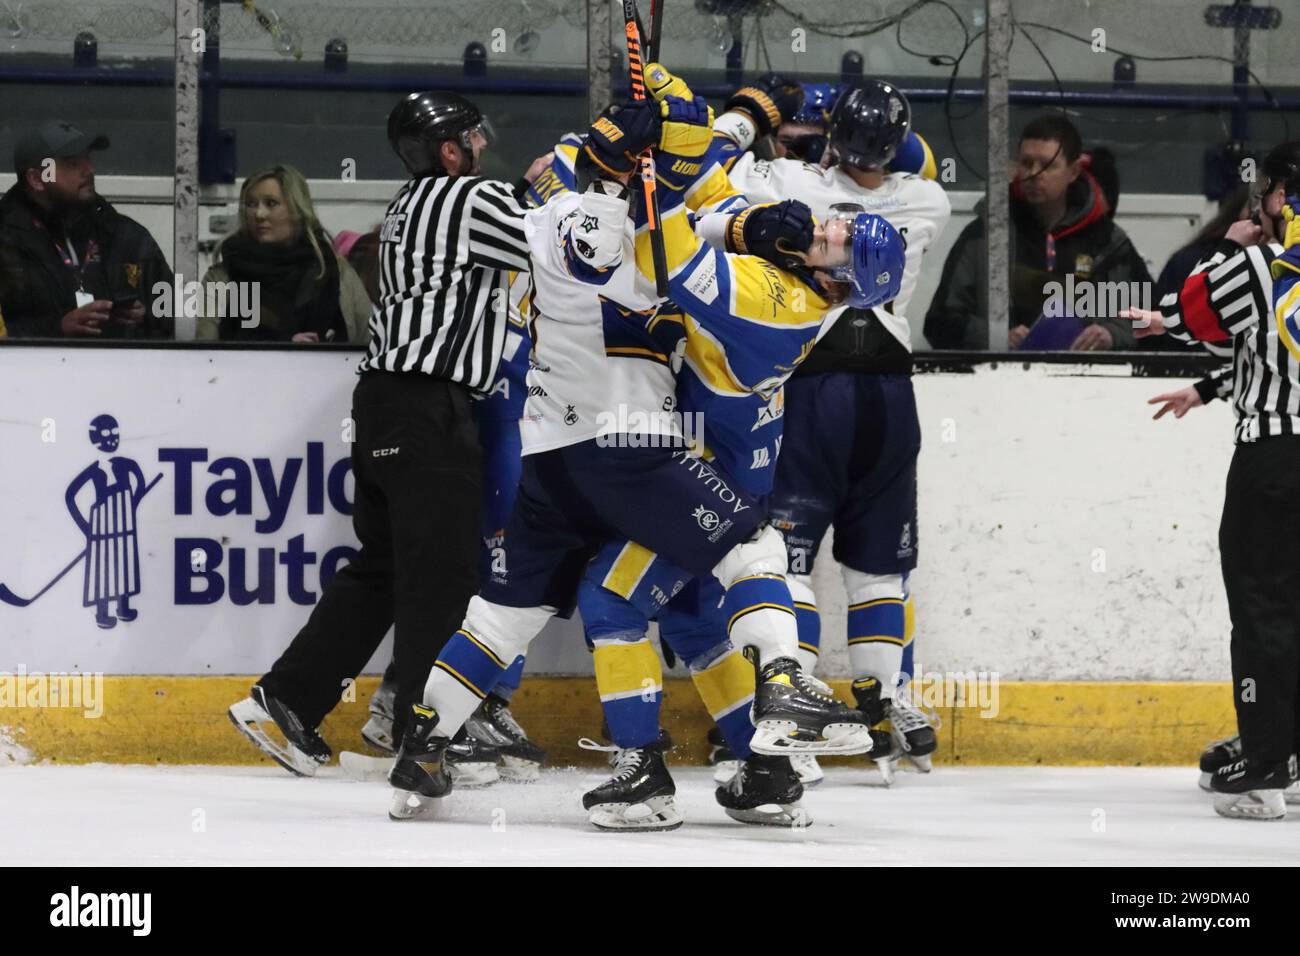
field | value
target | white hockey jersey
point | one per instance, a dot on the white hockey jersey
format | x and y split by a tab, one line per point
596	368
917	207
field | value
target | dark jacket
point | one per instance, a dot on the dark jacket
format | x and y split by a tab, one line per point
1087	243
117	256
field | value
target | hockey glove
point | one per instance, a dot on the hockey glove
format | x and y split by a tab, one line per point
780	232
771	101
1288	263
616	139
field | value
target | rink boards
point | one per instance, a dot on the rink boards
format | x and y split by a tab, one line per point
1067	556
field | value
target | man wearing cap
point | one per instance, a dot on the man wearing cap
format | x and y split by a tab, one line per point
70	264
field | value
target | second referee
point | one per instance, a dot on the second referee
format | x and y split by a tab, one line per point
449	240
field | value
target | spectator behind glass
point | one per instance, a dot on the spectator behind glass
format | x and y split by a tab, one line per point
71	264
306	292
1060	225
361	249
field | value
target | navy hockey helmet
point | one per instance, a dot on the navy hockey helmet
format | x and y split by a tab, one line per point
868	122
421	122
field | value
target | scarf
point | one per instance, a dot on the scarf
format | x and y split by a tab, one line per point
294	296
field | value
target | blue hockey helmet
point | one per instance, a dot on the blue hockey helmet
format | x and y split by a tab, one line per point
868	122
818	98
874	271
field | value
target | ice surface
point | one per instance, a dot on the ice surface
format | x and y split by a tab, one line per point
102	814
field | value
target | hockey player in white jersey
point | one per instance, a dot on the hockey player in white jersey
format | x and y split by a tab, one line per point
600	385
849	458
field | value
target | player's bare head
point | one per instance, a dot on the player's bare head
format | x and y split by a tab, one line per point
438	133
1047	160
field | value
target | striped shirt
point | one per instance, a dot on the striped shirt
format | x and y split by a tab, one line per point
445	251
1229	297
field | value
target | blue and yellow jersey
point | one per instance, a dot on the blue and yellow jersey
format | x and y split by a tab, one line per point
747	323
559	176
914	156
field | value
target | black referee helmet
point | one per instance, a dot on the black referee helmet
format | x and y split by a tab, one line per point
1281	167
868	122
422	122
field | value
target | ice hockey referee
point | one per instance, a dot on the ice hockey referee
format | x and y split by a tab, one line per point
449	240
1247	294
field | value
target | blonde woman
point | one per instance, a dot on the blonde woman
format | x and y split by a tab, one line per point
305	292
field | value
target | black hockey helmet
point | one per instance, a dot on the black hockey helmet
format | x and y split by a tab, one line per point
420	123
1282	167
868	122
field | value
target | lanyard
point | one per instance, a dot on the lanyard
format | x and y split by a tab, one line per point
69	257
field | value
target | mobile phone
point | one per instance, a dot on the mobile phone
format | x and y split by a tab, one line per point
124	302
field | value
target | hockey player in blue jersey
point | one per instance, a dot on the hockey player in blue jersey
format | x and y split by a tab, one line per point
851	461
579	486
626	585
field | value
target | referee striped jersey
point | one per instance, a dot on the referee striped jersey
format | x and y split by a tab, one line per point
445	250
1229	297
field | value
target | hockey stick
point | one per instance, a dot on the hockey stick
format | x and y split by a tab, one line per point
656	30
647	165
8	597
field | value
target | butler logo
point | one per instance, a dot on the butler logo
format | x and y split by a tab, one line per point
102	500
215	562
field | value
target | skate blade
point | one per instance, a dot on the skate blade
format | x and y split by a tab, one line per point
657	813
365	769
724	770
788	815
775	738
1204	782
379	735
409	805
515	770
248	718
1291	794
810	773
473	775
1252	805
921	764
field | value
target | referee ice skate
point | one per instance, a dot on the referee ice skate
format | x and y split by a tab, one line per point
1249	295
449	240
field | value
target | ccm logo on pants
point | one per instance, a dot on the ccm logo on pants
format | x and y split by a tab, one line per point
384	452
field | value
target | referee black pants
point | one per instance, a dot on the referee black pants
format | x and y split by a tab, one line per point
417	465
1259	543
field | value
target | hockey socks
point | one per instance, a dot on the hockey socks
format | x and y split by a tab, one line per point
630	680
727	688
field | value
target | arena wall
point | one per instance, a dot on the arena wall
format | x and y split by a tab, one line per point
1068	566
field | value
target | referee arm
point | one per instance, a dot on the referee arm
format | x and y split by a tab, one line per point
496	228
1228	293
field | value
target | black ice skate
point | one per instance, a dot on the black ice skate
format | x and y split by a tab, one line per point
721	758
471	761
419	775
302	751
1253	790
911	737
764	791
520	759
792	715
725	763
639	796
1216	755
378	730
